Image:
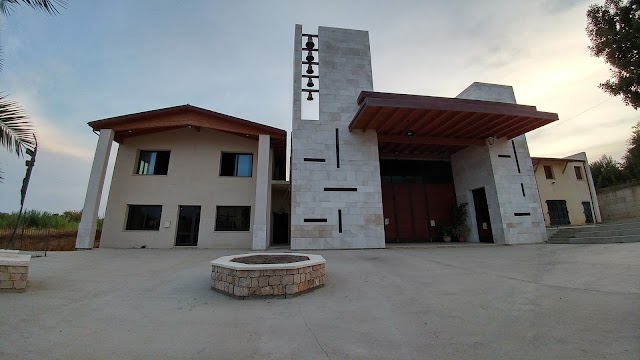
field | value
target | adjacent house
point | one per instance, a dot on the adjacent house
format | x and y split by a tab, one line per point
373	168
566	189
187	176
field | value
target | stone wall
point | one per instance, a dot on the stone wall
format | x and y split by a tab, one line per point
619	202
276	282
13	277
317	213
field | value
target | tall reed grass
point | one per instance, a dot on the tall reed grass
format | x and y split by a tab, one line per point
36	219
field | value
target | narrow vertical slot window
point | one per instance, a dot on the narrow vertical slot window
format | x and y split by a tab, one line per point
515	155
337	149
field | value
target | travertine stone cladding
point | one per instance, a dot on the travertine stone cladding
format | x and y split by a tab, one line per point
503	178
345	71
13	278
273	282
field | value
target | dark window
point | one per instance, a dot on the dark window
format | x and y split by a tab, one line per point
233	218
548	173
144	217
233	164
153	162
578	170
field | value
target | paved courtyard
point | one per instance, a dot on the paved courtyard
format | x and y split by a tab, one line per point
482	302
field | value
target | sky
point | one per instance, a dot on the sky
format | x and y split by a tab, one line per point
99	59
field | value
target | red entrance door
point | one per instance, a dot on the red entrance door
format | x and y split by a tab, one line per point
409	209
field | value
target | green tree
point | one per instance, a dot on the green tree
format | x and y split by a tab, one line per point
631	159
614	31
17	132
607	172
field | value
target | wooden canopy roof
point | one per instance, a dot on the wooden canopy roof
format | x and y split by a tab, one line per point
147	122
423	126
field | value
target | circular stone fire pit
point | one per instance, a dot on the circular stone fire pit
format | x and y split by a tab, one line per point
267	274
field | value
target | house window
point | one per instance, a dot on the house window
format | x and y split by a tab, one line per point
233	218
153	162
548	173
144	217
234	164
578	170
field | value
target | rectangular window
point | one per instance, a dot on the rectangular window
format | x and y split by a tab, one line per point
144	217
153	162
578	170
233	218
234	164
548	173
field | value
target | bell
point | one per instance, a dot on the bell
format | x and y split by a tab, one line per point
310	97
310	57
310	83
309	69
310	45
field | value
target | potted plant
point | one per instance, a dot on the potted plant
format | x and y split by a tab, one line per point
459	227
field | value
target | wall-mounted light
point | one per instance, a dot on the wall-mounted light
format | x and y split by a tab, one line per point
491	140
409	132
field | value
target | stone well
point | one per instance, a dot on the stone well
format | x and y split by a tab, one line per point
14	271
232	277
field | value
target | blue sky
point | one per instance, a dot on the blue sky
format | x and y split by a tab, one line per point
101	59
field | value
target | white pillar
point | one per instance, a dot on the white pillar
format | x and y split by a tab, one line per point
87	226
263	183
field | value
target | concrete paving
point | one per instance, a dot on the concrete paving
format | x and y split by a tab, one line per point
497	302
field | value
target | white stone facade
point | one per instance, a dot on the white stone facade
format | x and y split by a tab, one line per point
345	71
509	182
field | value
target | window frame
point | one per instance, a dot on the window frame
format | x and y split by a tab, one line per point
136	167
216	225
127	217
546	175
578	171
235	164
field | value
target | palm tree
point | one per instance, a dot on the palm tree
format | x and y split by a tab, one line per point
17	132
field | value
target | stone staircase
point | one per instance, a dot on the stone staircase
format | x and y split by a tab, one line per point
618	231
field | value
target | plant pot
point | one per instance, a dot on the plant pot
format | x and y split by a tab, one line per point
447	239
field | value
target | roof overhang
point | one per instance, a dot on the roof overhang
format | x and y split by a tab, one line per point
189	116
535	161
427	126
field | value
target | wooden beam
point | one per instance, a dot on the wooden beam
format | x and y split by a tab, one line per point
429	140
372	118
480	129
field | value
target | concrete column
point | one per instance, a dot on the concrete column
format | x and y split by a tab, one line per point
263	186
87	226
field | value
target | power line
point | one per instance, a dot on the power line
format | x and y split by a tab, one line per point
573	117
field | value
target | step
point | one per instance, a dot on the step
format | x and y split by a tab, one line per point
625	225
550	241
606	240
607	233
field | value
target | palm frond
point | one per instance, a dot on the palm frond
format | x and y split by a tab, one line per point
17	132
48	6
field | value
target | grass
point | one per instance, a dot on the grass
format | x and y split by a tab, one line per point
36	219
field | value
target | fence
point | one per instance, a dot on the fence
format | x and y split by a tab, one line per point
42	239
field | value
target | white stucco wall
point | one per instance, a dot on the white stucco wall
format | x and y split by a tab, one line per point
193	179
345	71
